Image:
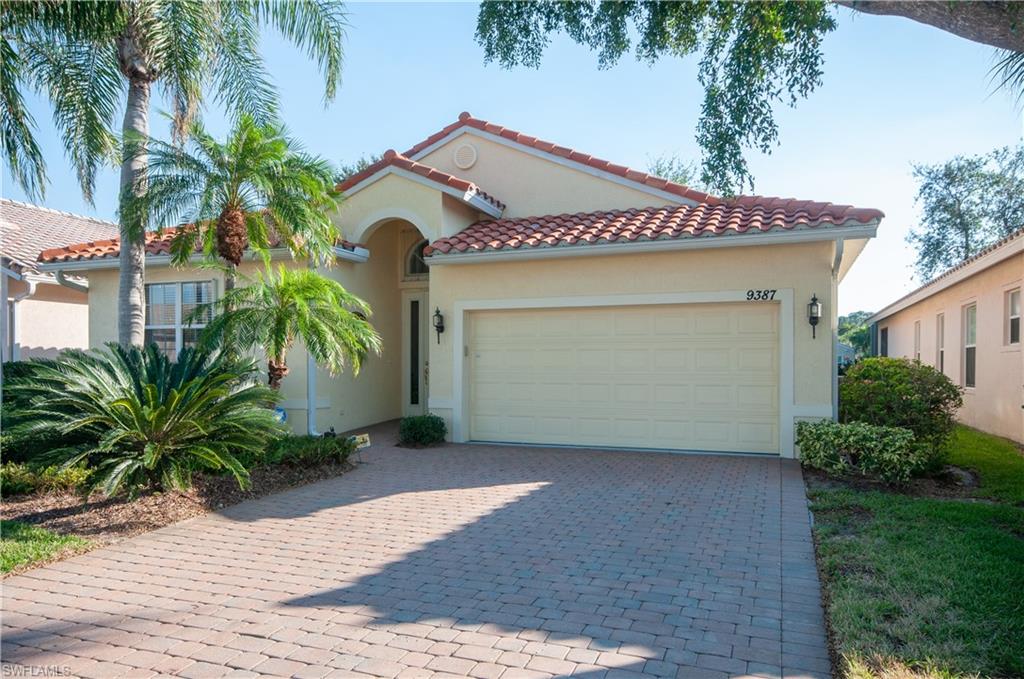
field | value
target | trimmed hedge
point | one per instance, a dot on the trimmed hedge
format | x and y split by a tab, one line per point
421	430
309	450
886	453
897	392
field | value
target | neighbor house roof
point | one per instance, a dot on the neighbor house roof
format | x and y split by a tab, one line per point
1002	249
158	243
468	121
468	190
741	216
26	230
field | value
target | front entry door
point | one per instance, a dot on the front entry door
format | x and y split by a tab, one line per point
415	352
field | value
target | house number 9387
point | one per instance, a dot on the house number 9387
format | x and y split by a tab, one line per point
760	295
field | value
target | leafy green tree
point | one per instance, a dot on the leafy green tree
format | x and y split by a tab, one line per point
94	57
854	330
753	55
675	169
278	308
139	420
254	189
967	204
348	169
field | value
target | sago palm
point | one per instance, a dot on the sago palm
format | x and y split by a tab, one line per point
140	420
277	308
255	188
93	58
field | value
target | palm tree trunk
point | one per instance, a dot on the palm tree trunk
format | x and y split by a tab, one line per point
131	291
277	370
134	163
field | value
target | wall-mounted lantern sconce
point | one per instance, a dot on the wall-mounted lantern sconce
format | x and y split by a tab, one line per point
814	314
438	323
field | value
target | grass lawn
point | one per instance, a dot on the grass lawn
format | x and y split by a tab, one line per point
22	544
933	586
998	462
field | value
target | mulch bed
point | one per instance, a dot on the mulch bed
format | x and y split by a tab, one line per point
952	483
105	520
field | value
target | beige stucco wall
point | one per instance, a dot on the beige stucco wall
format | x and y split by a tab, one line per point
530	185
53	319
994	404
804	268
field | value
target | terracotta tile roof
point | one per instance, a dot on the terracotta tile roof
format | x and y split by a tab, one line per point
26	230
157	243
466	120
394	159
744	215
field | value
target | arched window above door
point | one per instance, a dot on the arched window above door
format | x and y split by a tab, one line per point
415	264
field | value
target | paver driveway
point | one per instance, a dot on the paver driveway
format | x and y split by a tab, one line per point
480	561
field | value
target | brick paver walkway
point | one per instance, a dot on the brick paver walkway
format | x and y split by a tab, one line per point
479	561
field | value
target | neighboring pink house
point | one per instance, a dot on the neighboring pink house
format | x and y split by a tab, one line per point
42	313
967	323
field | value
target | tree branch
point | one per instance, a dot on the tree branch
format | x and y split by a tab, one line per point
999	24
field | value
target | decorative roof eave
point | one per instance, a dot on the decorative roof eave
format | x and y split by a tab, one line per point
649	183
754	238
397	164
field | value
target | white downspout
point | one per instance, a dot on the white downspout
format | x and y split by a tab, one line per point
4	318
311	395
836	264
63	280
14	330
311	386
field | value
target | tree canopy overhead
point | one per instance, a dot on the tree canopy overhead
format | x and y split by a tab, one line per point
967	204
752	55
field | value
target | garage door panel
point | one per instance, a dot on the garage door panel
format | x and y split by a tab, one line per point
701	377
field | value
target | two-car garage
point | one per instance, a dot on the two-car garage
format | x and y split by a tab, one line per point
654	376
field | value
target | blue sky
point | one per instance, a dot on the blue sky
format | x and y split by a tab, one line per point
895	93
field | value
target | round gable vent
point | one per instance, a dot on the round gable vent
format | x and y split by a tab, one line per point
465	156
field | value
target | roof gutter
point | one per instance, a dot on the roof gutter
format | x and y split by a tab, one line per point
807	235
358	255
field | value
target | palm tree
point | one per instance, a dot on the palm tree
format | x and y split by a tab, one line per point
278	308
257	188
92	57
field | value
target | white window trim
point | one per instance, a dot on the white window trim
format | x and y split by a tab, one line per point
1009	318
940	342
410	277
963	371
178	326
917	341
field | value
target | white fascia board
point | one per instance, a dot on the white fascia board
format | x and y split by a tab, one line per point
1014	247
558	160
358	255
473	200
633	247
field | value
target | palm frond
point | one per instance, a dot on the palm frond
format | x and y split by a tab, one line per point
318	27
23	155
84	83
1008	73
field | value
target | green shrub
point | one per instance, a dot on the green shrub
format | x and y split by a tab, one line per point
20	479
145	420
886	453
421	430
16	479
309	450
26	447
897	392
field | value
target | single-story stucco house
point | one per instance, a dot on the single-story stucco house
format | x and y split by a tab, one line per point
40	316
966	323
582	302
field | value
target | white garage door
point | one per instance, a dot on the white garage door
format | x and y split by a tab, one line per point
682	377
